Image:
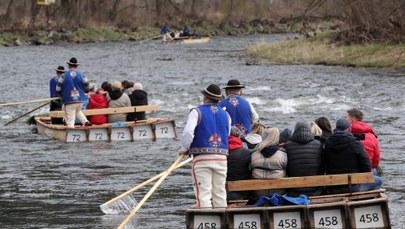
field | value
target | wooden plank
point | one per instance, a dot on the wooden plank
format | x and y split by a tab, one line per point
107	111
300	182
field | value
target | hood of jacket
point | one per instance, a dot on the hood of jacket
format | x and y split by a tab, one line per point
234	142
360	127
341	140
269	150
139	94
115	94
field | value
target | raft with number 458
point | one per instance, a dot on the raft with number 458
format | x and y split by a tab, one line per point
149	129
367	209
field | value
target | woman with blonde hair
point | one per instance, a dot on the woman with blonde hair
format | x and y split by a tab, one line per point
269	161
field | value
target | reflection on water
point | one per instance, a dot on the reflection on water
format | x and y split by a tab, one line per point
47	184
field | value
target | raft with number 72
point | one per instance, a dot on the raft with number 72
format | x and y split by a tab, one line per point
149	129
353	210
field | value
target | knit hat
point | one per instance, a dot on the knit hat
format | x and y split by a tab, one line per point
236	132
285	135
213	92
233	84
342	124
138	86
73	61
301	124
60	69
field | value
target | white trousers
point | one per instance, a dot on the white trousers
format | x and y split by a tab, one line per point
72	110
209	177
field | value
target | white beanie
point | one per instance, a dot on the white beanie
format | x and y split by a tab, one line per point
138	86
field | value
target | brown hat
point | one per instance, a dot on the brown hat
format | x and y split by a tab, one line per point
233	84
60	69
213	92
73	61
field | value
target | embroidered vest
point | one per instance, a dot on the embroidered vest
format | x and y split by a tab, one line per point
239	110
211	133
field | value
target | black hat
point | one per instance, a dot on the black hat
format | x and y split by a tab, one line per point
213	92
342	124
73	61
233	84
60	69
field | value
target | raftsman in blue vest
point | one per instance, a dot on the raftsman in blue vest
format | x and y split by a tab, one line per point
211	133
73	87
239	110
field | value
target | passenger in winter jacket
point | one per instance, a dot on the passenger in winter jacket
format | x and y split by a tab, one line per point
98	101
370	142
117	98
269	161
345	154
305	157
139	97
238	165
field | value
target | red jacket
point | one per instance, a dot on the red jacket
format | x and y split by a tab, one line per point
97	101
370	142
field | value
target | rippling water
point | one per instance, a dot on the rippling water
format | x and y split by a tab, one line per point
48	184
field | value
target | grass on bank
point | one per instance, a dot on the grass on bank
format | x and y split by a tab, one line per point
320	50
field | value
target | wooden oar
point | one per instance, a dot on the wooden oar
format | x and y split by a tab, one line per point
135	210
106	206
29	112
151	38
29	101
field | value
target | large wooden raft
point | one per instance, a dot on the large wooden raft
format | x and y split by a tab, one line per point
347	210
149	129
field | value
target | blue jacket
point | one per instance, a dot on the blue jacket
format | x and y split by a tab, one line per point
211	133
52	86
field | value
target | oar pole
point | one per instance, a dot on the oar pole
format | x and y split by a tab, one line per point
151	38
29	101
150	180
29	112
151	191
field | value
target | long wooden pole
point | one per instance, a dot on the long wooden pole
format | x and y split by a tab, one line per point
151	191
29	101
150	180
151	38
29	112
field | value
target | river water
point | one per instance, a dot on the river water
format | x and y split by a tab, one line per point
48	184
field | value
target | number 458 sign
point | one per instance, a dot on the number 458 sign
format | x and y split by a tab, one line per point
369	217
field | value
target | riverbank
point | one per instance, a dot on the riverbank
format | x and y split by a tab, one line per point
319	49
53	36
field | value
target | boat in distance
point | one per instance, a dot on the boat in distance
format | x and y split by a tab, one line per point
188	40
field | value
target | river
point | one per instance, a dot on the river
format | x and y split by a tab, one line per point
48	184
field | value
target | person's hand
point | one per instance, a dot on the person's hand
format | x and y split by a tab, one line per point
183	152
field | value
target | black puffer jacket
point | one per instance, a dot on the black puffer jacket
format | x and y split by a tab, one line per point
304	153
345	154
138	98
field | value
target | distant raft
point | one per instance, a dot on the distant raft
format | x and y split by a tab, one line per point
149	129
188	40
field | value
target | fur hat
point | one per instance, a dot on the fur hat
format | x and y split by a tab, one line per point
60	69
342	124
212	92
73	62
233	84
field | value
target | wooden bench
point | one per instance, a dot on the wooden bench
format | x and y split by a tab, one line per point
300	182
107	111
